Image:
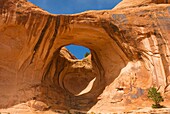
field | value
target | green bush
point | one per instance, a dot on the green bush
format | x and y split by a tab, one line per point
156	97
86	54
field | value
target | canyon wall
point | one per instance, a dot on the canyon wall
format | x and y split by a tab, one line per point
129	53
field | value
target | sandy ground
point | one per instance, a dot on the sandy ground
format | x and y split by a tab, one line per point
25	109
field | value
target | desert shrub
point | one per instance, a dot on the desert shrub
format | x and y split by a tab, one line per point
86	54
156	97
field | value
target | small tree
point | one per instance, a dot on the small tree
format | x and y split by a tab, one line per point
156	97
86	54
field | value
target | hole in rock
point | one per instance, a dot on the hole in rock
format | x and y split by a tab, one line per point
79	52
81	77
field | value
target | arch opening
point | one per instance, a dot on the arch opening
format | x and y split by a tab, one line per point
79	75
80	52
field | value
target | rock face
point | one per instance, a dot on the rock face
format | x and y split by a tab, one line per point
137	3
129	53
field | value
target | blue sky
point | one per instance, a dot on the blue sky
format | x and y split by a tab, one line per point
71	7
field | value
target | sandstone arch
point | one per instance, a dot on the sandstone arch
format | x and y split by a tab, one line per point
95	40
124	53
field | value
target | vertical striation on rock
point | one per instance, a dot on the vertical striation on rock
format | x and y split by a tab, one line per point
129	53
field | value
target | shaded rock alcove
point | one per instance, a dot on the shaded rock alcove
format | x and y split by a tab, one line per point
76	75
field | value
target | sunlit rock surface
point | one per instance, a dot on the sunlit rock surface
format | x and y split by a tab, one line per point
129	53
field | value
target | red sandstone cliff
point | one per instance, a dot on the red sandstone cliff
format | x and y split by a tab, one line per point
129	53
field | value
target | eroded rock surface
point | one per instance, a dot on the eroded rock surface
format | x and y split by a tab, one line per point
129	53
